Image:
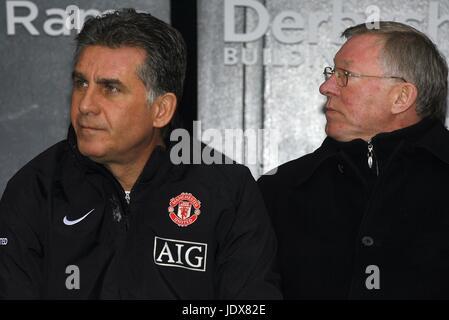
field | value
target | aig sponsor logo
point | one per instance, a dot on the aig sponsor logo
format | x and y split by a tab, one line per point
181	254
3	241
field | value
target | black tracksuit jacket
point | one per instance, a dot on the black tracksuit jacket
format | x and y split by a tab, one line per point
188	232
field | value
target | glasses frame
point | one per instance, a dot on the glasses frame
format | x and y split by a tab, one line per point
329	71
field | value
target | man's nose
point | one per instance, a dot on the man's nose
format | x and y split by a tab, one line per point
88	102
330	87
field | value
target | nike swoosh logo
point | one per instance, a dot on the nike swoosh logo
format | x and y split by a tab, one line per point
68	222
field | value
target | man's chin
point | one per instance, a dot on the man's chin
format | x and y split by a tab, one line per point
329	129
97	155
334	132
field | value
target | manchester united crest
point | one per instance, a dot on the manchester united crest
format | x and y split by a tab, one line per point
184	209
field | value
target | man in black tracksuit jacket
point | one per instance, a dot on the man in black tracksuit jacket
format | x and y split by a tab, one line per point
106	214
133	250
366	215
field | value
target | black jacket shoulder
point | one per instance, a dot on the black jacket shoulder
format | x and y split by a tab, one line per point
291	173
41	167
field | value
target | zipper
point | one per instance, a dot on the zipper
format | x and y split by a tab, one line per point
366	214
128	197
371	156
127	207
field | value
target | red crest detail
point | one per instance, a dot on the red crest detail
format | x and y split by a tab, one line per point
186	203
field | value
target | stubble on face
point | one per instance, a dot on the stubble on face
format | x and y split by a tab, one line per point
110	112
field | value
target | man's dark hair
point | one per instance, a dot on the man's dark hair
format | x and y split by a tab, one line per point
165	65
410	54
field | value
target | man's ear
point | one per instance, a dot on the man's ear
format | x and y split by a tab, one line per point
163	109
404	97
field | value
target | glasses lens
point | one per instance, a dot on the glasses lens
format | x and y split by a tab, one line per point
341	78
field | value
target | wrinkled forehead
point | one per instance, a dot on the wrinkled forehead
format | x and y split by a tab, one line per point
361	52
109	62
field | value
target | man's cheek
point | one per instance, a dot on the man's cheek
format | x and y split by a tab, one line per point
73	115
74	107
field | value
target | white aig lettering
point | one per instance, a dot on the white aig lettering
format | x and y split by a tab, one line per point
73	280
3	241
181	254
373	280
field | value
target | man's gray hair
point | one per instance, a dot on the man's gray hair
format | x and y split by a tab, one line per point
410	54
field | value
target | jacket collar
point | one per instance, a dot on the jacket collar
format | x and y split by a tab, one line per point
157	168
436	141
428	134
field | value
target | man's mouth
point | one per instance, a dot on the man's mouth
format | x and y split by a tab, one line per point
329	109
89	127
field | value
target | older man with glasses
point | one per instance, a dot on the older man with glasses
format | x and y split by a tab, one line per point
365	216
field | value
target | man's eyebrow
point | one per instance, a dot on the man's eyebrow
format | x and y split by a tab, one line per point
347	63
109	81
102	81
77	75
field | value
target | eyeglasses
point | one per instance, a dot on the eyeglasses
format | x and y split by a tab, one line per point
342	75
